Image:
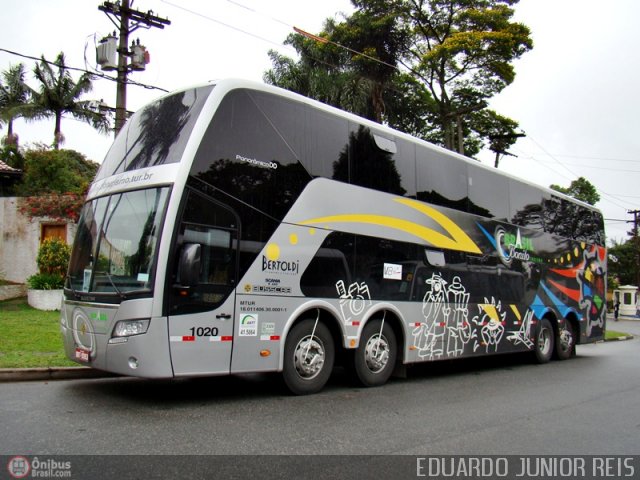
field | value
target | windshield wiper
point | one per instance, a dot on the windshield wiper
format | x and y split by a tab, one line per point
115	287
69	284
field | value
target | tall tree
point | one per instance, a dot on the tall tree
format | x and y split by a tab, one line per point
59	94
458	51
581	189
463	51
14	95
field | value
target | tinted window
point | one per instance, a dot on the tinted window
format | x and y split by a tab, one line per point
328	137
488	193
526	205
442	180
250	156
157	134
213	227
325	271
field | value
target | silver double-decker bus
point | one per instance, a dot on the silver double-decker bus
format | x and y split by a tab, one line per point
235	227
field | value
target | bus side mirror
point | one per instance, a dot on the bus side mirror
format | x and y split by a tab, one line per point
189	265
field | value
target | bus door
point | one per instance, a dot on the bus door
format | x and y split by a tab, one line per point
202	298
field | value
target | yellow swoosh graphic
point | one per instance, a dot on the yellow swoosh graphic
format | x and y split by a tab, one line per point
458	240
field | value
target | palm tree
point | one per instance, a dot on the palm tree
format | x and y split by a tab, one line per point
14	95
59	94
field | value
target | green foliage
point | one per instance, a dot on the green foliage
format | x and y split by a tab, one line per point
56	171
14	95
53	257
581	189
58	94
12	156
459	54
623	262
45	281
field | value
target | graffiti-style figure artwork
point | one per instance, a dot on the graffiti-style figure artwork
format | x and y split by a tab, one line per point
458	328
491	321
445	310
354	300
592	289
428	337
523	334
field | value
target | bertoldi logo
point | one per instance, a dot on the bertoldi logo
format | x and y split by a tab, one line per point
280	266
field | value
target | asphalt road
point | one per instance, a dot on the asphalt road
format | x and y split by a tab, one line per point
589	405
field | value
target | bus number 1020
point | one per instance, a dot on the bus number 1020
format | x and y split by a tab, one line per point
204	331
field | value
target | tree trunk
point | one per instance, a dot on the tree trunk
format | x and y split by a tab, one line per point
57	134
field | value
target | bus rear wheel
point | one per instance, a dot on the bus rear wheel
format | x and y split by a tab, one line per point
375	357
544	341
565	341
309	355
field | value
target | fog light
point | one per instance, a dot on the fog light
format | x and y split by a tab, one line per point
127	328
133	362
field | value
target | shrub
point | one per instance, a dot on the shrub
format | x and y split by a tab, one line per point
53	259
45	281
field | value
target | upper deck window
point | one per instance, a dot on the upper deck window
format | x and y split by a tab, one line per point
156	134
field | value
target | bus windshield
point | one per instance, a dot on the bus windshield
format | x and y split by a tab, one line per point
115	247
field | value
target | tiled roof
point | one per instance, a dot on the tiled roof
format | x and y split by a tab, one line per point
4	168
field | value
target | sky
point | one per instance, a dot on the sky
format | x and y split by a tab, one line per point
575	94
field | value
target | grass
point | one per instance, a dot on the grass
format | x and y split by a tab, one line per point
612	335
30	337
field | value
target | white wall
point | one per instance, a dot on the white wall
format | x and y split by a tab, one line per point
20	239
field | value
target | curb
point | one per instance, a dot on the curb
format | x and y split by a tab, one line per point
50	373
620	339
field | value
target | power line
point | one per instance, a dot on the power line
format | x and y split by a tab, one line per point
77	69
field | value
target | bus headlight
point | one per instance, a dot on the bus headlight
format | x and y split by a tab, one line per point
127	328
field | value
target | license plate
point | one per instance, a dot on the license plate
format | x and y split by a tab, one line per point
82	354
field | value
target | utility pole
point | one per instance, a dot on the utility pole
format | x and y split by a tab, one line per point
127	20
500	142
635	241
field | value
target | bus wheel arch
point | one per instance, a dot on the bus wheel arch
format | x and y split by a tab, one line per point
309	351
374	360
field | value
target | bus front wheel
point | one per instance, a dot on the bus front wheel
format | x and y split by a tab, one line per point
544	341
375	357
309	354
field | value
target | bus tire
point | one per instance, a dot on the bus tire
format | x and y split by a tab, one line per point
375	357
543	341
565	341
308	357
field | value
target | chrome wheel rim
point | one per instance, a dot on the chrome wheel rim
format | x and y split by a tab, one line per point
309	357
544	341
376	353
